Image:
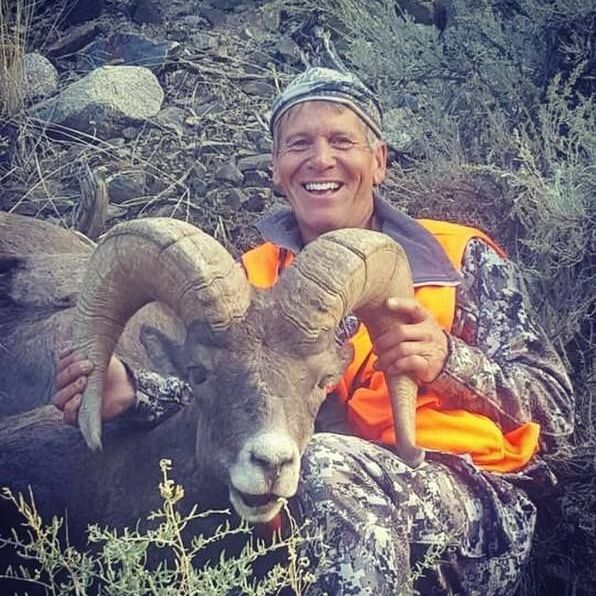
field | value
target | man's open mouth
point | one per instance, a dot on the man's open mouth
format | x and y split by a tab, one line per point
322	188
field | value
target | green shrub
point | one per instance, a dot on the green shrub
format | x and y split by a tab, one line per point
117	561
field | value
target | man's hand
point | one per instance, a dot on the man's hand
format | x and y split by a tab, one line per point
72	371
417	347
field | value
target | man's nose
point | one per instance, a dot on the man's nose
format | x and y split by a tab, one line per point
322	155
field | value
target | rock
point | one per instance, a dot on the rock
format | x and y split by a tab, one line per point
232	198
73	40
41	78
271	17
191	21
257	87
130	49
129	133
401	128
255	202
111	96
203	41
209	107
215	16
197	180
289	50
260	140
147	11
229	172
172	118
123	186
255	162
115	212
257	178
81	11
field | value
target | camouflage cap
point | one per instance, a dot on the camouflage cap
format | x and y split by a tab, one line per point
325	84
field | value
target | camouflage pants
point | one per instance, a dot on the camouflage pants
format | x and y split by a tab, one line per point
444	528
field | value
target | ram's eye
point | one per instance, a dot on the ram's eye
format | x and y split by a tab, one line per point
197	374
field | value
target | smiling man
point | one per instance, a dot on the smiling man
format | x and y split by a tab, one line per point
492	391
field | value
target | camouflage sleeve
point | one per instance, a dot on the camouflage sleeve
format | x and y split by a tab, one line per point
157	397
501	363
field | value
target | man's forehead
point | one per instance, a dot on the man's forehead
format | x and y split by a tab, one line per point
301	112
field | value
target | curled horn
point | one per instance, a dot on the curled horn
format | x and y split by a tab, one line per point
353	270
142	261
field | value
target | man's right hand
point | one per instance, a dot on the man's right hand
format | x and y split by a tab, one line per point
72	371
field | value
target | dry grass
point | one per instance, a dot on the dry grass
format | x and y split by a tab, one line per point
15	20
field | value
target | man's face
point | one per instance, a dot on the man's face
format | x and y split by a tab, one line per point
326	168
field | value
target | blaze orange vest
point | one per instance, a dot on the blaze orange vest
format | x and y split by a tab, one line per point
364	391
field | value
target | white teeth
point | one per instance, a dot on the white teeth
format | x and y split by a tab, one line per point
321	186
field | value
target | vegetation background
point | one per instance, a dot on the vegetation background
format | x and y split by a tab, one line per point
490	117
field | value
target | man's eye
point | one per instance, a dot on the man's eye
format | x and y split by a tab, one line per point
342	143
297	145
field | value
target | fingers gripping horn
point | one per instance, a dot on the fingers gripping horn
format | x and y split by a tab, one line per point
137	262
353	270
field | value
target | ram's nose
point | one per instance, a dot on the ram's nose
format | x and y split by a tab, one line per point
271	452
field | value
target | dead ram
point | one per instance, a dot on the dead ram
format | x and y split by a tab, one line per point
259	362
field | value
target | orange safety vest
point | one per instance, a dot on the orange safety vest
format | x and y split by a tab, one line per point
364	391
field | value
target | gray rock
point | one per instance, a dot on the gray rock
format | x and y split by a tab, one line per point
197	180
229	172
123	186
172	118
116	212
289	49
215	16
108	98
73	40
147	11
232	198
41	78
130	49
271	17
256	202
401	128
203	41
260	88
257	178
129	133
254	162
191	20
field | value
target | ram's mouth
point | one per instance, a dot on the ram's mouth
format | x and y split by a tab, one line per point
256	508
322	188
257	500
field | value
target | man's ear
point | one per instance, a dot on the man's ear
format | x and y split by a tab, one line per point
275	176
380	165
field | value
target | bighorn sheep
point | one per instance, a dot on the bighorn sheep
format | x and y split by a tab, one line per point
259	362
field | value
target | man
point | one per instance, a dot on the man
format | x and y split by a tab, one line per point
489	379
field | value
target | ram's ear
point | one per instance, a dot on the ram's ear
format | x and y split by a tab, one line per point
165	354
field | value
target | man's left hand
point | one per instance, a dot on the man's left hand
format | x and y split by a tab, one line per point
415	345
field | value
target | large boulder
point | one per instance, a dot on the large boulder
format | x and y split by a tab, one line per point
109	98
